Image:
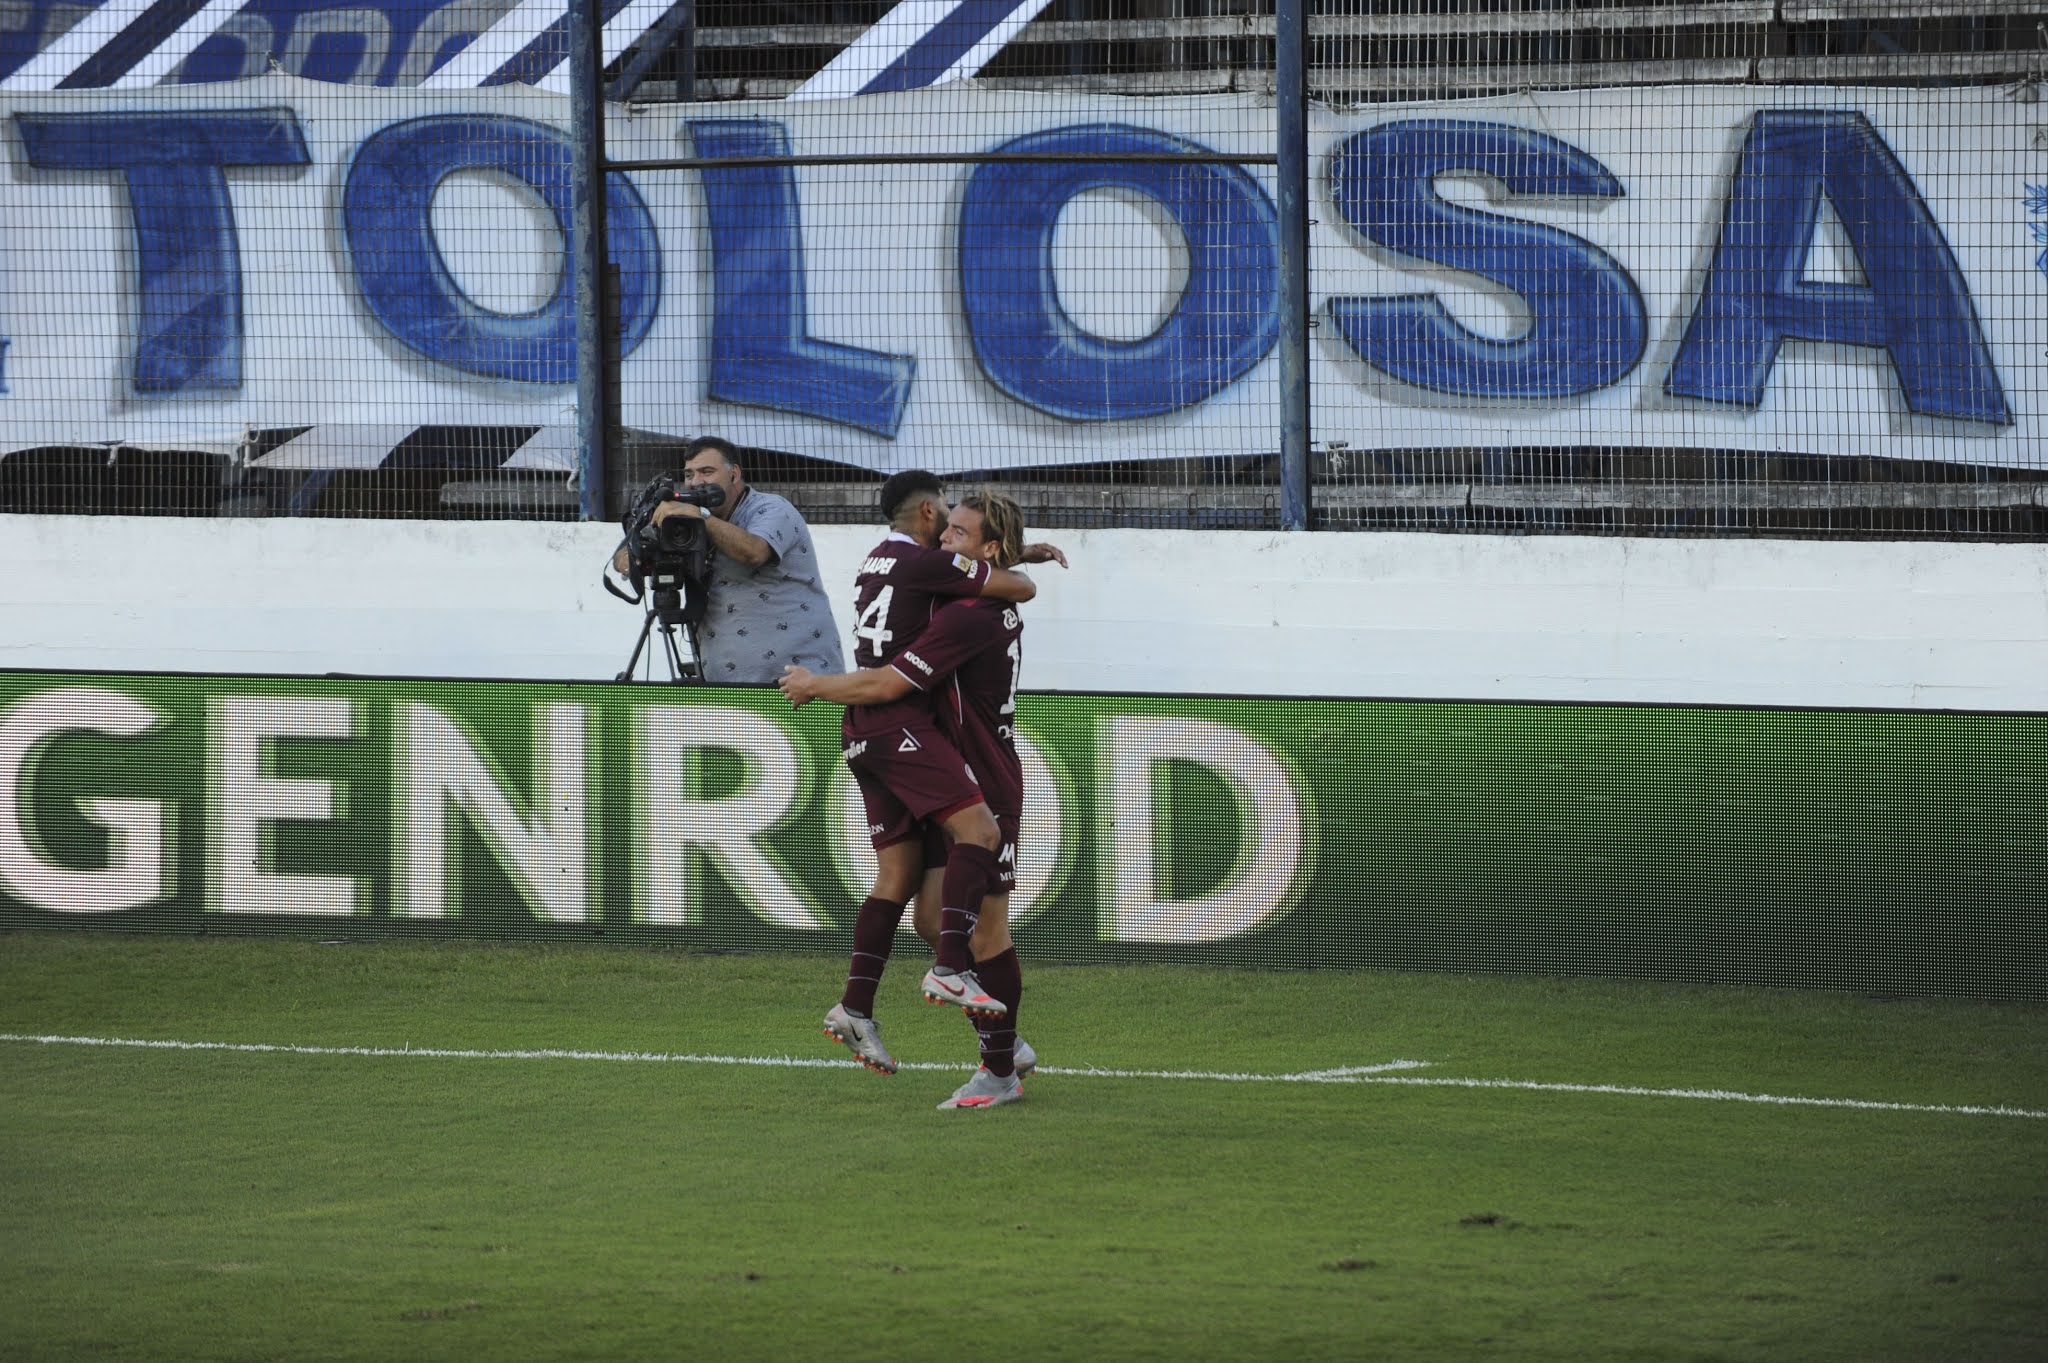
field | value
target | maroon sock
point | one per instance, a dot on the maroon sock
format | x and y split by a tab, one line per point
1002	977
874	934
970	870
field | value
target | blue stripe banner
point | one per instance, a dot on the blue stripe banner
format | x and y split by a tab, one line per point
922	43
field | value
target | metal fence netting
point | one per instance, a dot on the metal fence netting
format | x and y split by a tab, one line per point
1743	267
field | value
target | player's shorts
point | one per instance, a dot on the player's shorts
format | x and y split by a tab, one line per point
937	847
909	776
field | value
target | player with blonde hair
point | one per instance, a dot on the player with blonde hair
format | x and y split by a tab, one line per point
967	662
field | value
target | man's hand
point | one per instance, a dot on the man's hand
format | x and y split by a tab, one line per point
799	684
1043	553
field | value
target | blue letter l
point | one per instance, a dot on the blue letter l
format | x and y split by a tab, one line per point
761	355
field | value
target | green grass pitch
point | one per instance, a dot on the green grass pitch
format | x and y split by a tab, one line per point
164	1203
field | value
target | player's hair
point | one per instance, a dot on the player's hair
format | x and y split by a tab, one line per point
712	442
902	491
1002	520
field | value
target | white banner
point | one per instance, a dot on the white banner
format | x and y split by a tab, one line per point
1820	271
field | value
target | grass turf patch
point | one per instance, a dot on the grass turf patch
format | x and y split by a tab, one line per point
208	1204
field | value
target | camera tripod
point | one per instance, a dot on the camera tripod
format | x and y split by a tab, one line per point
664	609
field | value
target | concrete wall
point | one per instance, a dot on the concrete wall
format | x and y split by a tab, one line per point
1439	616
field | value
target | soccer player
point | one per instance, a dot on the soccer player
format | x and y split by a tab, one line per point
968	661
978	647
908	771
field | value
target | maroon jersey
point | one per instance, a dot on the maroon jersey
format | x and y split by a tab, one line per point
900	584
969	659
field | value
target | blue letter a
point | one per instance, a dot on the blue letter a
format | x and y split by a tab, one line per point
761	354
1915	306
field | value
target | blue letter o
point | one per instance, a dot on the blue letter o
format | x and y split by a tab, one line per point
1227	319
386	219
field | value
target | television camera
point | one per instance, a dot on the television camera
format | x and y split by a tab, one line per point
668	563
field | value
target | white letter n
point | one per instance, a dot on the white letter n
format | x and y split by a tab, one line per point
440	769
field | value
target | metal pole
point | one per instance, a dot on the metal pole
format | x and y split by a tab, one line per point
1291	82
674	29
686	57
587	226
948	158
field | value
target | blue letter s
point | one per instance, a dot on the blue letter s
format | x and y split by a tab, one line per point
1587	324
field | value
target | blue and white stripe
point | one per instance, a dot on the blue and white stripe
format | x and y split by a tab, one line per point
922	43
132	44
490	51
115	26
530	46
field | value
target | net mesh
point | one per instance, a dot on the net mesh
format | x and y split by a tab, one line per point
1654	269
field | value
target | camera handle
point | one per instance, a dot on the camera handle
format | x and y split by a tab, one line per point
604	575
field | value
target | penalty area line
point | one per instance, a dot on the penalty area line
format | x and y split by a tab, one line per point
1381	1073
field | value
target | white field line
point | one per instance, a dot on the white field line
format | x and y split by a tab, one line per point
678	1058
1711	1095
1348	1074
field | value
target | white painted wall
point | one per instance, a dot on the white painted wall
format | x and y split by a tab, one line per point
1332	614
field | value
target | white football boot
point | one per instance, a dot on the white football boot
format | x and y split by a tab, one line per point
863	1036
961	989
985	1090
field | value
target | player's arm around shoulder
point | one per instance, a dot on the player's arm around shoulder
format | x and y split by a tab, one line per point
869	686
1007	584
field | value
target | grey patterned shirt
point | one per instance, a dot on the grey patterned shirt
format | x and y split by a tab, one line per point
759	620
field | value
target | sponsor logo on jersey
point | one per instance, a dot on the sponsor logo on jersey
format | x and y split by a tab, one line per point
964	564
1009	618
854	750
909	743
878	565
875	829
1009	853
920	664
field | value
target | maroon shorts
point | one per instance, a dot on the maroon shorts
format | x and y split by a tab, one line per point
908	777
937	847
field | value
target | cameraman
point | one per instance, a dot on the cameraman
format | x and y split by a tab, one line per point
767	608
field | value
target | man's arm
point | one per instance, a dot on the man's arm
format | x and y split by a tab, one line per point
726	538
869	686
1007	585
956	634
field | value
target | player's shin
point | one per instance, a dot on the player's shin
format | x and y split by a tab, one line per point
874	935
997	1037
970	871
1003	977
